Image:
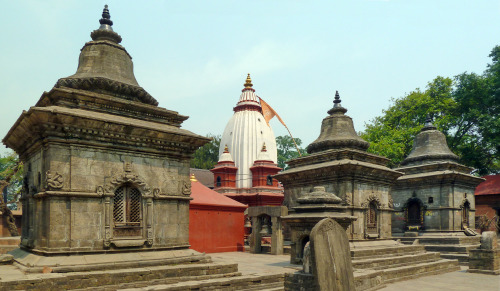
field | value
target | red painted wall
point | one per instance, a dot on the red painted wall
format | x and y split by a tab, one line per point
215	231
487	204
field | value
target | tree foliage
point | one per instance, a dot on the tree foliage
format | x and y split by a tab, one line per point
287	150
11	171
11	167
466	109
207	156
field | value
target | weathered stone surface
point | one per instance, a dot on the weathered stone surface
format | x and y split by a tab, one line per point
6	259
489	240
331	257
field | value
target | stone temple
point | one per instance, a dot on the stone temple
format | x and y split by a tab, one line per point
107	170
339	163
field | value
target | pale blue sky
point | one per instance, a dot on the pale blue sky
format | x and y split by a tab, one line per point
193	56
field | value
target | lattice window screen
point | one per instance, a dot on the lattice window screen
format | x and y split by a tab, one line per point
119	205
127	206
372	218
135	206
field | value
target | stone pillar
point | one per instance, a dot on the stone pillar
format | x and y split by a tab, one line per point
255	241
276	236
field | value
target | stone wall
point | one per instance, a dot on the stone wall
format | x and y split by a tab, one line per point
70	203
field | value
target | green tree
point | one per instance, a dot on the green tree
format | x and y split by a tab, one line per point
287	150
11	172
207	156
465	109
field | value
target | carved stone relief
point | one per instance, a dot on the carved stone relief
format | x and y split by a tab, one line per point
53	180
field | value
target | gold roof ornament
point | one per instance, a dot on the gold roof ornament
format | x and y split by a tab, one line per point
248	82
264	149
193	178
226	150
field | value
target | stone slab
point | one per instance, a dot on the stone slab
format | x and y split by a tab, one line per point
331	257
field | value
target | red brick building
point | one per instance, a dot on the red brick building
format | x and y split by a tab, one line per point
488	201
215	221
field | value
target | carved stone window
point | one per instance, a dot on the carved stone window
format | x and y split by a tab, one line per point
465	214
371	222
127	207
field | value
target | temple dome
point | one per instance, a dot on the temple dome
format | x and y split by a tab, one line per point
245	133
337	131
429	146
104	66
226	156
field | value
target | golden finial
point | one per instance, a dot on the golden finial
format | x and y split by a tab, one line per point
264	149
193	178
226	150
248	82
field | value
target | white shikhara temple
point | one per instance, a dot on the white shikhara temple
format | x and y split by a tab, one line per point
248	155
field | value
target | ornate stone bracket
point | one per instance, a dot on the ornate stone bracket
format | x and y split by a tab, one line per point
371	198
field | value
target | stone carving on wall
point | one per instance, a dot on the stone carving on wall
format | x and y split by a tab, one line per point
371	198
122	178
391	202
348	199
53	180
462	204
186	188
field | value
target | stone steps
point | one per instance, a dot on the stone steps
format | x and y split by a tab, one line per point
244	283
380	252
7	248
81	280
422	269
463	259
165	281
451	248
401	260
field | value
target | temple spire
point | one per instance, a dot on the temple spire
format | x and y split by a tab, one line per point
248	82
428	122
105	31
106	17
336	102
337	108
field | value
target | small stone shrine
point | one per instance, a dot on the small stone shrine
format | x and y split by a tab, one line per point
339	162
486	259
313	207
266	220
106	169
436	194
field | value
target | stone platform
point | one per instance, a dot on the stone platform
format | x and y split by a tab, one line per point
8	244
456	246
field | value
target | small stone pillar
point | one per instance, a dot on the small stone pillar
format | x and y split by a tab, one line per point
486	259
255	237
275	212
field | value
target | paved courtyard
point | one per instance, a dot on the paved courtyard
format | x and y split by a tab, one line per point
456	281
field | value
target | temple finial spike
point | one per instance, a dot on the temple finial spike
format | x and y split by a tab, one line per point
248	82
337	100
428	120
226	149
264	148
106	17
